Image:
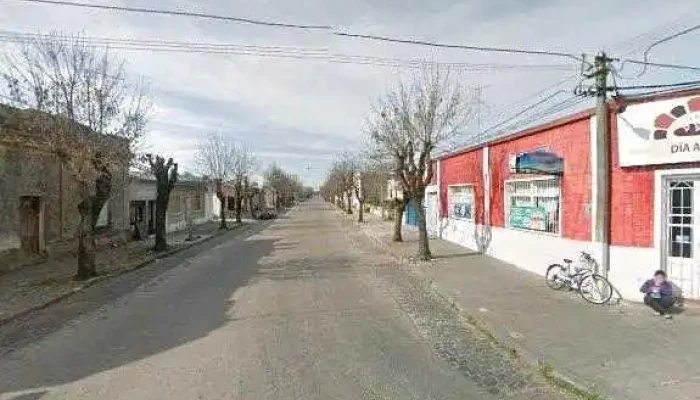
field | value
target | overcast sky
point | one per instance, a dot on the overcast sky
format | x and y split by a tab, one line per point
299	112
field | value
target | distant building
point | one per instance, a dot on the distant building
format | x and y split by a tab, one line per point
192	200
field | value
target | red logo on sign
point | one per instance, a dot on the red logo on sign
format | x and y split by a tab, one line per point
663	122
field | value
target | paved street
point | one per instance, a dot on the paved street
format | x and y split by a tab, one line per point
302	308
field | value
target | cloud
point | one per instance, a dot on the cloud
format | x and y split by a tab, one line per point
298	112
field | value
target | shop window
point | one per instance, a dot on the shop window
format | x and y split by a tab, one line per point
534	205
460	202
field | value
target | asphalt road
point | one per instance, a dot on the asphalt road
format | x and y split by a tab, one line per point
300	308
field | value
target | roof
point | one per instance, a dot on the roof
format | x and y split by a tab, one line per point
525	132
615	103
147	177
23	122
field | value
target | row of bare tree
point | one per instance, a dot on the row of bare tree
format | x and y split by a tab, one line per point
356	176
406	127
92	117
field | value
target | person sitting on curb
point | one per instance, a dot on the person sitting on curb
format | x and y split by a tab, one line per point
658	294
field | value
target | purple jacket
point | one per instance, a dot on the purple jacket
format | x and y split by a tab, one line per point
665	288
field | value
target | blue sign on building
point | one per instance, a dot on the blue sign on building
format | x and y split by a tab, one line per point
537	162
411	214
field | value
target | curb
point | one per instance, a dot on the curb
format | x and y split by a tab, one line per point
516	350
105	277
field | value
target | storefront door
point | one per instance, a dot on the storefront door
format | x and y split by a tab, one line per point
682	227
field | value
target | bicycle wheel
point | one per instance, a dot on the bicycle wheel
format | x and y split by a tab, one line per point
555	277
595	289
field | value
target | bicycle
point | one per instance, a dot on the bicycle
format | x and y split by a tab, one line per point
592	287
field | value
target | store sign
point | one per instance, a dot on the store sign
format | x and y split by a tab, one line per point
534	218
660	132
537	162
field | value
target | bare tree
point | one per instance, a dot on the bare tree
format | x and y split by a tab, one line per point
166	176
409	123
286	187
244	164
88	115
216	157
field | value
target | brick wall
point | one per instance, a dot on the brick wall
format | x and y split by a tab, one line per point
460	169
632	189
570	141
631	199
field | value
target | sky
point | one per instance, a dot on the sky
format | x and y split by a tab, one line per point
299	113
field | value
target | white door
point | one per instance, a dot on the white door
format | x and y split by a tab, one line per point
431	214
682	244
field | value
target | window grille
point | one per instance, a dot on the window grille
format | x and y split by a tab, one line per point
534	205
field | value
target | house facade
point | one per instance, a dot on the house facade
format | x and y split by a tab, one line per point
530	198
191	202
38	196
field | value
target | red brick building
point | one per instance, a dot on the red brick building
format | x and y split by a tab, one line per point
501	198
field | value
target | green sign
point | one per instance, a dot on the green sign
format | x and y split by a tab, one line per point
534	218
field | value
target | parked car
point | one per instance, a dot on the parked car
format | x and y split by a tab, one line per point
267	214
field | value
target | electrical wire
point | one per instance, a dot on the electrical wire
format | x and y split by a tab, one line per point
264	51
661	65
629	44
661	41
477	139
523	111
527	99
661	86
458	46
550	112
328	28
180	14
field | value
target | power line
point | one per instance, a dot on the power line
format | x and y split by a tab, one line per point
537	94
664	40
523	111
264	51
458	46
629	44
307	27
180	13
661	65
477	139
661	86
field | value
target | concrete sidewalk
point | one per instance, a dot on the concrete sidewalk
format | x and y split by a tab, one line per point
620	351
36	286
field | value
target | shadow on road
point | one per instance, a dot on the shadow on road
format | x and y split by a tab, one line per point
131	317
30	396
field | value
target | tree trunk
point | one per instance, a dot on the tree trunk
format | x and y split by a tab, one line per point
249	206
222	200
361	212
239	202
161	219
348	196
89	209
423	243
86	243
399	207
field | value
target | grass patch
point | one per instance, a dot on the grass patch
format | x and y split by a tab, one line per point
544	370
568	387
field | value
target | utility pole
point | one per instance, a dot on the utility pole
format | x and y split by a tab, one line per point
599	71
